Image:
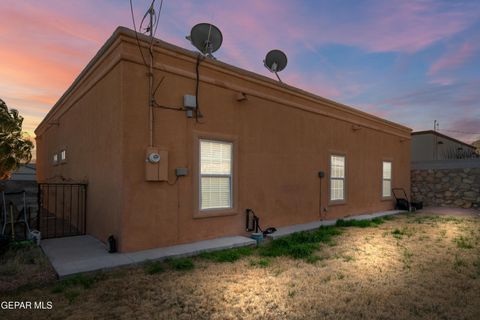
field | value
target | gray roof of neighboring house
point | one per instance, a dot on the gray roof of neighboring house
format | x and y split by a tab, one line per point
25	172
438	134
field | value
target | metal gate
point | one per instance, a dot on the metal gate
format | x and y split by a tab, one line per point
62	210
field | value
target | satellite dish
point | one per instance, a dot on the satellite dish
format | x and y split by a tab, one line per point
275	61
206	37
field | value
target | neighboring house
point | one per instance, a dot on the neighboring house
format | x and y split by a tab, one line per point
260	144
22	179
24	173
433	145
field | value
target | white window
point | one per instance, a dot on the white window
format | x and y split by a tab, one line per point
337	178
55	158
216	174
63	155
387	179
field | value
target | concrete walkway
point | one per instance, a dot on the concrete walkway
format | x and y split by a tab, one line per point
285	231
72	255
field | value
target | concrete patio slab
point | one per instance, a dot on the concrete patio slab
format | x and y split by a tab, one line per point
285	231
73	255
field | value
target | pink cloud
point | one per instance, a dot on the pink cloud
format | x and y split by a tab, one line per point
453	58
384	26
45	46
464	129
314	83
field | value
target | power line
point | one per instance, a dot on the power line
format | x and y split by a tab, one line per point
157	19
136	34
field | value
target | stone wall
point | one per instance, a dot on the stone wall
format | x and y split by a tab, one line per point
447	187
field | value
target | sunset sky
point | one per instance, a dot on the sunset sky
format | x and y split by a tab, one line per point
407	61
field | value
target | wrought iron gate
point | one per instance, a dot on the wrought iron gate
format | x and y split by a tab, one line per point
62	210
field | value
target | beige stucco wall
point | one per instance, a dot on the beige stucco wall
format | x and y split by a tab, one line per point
88	125
281	148
283	137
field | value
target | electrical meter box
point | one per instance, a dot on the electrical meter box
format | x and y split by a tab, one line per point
156	164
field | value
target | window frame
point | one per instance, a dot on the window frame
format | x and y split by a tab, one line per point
344	179
61	153
55	159
215	175
198	212
383	179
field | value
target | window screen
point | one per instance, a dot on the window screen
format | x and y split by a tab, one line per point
215	174
387	179
337	178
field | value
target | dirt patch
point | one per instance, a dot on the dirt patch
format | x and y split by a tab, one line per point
414	266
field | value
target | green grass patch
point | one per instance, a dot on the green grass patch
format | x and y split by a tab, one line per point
458	263
426	219
463	242
299	245
81	280
181	264
360	223
399	233
261	263
313	259
71	295
154	267
230	255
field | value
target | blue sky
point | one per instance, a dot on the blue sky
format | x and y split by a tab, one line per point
411	62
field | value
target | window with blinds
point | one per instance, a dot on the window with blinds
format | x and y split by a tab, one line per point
216	174
387	179
337	178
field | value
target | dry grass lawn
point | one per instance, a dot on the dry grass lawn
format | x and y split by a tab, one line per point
410	267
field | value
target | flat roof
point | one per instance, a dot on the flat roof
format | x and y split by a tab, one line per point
438	134
252	75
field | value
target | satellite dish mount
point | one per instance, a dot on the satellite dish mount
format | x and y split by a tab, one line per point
207	38
275	61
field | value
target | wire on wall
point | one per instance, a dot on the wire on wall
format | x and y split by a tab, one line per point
198	114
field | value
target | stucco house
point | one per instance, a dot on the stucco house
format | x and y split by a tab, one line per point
433	145
258	144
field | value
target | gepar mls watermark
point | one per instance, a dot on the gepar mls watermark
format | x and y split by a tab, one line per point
26	305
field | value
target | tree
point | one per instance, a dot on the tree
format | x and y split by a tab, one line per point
15	147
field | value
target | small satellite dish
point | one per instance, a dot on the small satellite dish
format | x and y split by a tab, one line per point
206	37
275	61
